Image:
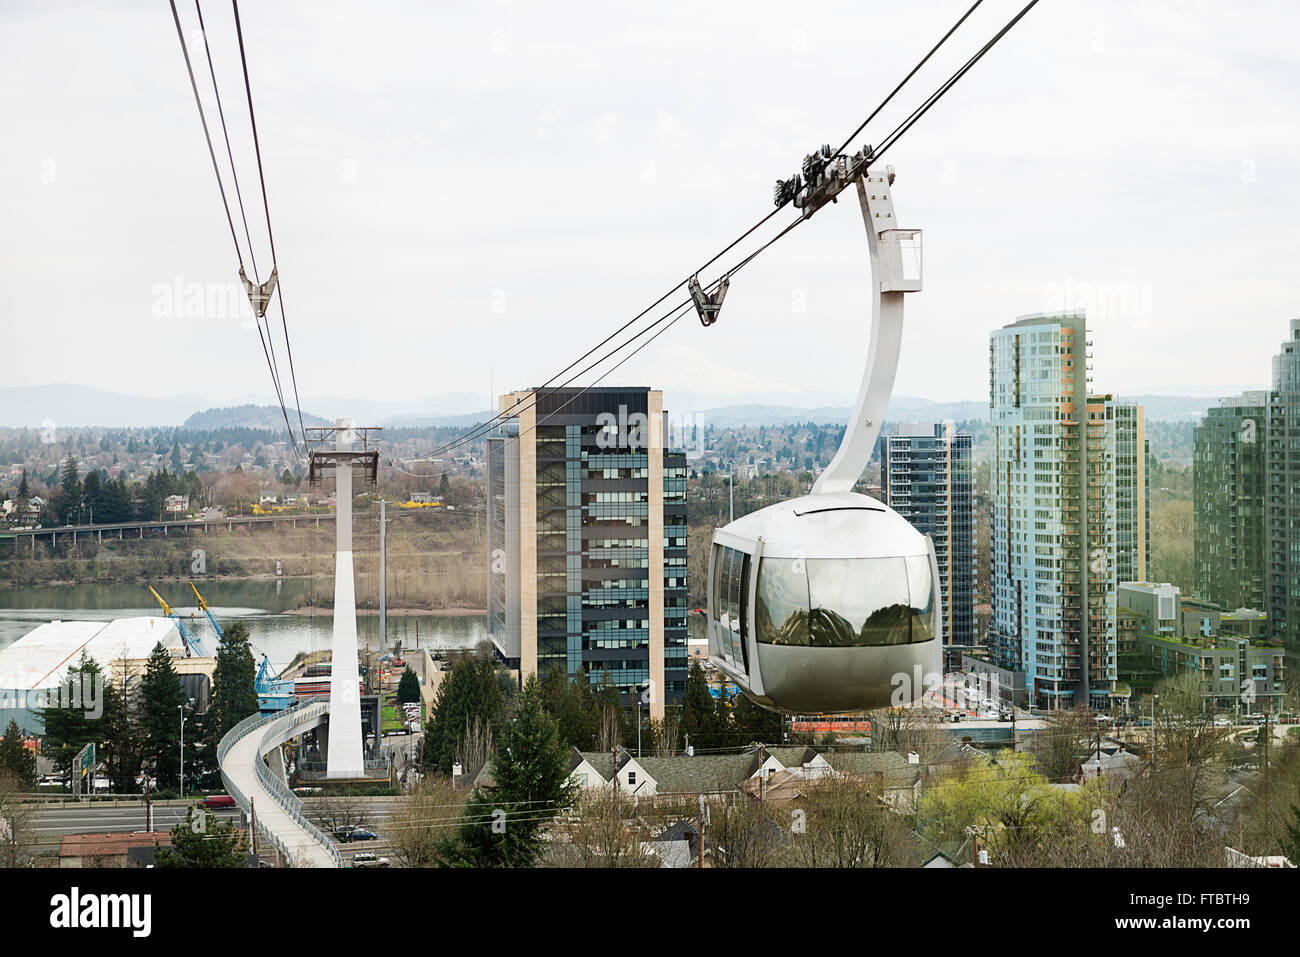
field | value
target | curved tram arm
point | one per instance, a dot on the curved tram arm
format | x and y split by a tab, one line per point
891	279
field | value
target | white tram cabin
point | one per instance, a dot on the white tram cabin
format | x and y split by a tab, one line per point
824	604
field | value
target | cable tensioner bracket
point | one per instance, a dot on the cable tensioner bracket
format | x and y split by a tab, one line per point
708	306
259	297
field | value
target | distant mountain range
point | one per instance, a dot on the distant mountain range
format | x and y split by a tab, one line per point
77	406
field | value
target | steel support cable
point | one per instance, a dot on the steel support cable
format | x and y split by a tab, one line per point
860	128
500	416
206	135
948	84
225	132
681	310
925	59
239	197
485	427
267	341
261	176
269	354
482	429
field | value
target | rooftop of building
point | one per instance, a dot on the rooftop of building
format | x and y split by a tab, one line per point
41	658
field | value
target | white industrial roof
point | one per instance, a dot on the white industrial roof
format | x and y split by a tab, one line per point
41	658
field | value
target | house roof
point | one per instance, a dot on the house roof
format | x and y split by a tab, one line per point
42	657
111	844
680	831
958	752
781	786
703	772
895	768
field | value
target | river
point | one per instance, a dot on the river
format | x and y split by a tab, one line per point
262	604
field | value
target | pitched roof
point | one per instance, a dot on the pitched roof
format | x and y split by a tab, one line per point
703	772
781	786
959	751
895	768
110	844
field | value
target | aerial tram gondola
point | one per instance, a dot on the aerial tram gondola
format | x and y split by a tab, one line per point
830	602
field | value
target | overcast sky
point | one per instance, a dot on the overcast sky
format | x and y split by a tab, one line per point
465	196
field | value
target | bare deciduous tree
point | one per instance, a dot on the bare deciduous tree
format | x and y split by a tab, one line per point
333	814
424	822
605	832
477	746
846	824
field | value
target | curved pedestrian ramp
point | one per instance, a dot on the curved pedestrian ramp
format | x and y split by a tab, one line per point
259	791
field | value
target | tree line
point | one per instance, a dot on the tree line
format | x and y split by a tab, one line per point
137	727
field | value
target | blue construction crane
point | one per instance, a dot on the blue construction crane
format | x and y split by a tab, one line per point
193	646
272	693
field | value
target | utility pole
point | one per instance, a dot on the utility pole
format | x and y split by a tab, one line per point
699	840
252	825
383	578
182	778
148	805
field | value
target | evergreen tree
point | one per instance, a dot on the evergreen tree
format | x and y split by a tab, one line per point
203	840
751	723
609	711
70	500
408	689
69	729
119	747
503	826
161	698
699	719
1290	841
471	692
490	706
176	459
15	759
23	490
573	707
91	495
234	697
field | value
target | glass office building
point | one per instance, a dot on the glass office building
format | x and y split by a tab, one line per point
587	539
926	477
1053	528
1282	501
1228	479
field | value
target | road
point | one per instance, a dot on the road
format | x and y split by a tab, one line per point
48	823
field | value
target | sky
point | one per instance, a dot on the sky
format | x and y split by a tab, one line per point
466	200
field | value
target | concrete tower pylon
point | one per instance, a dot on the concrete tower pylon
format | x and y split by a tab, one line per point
345	757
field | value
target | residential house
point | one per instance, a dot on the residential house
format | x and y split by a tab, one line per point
122	849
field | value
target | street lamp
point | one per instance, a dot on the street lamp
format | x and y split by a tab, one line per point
181	708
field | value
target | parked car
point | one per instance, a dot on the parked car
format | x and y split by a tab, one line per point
214	801
367	859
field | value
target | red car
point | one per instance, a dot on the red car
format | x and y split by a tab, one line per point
214	801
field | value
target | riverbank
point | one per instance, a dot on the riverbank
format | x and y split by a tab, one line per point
397	612
435	560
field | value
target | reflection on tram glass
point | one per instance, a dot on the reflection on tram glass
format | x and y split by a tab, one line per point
845	602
